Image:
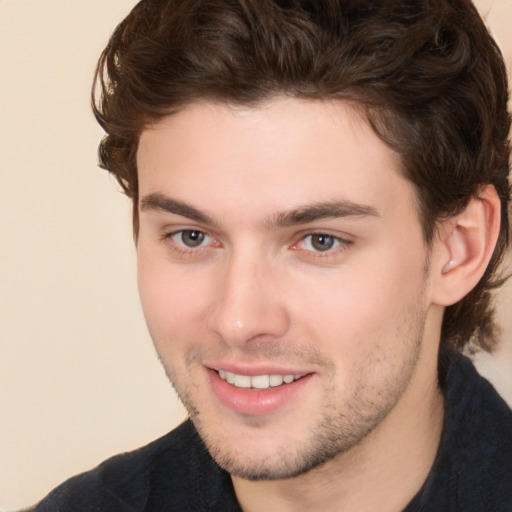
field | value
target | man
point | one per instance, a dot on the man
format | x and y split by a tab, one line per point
320	195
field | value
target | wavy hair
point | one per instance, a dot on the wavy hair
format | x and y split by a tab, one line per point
426	73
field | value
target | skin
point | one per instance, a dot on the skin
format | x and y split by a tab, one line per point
358	319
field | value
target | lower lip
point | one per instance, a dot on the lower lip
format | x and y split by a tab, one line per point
255	402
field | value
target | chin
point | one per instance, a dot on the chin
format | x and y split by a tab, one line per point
255	459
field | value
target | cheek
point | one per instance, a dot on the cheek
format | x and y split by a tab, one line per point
172	299
365	306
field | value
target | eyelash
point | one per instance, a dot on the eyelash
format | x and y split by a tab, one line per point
341	244
182	249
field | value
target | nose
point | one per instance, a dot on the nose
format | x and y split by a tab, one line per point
248	303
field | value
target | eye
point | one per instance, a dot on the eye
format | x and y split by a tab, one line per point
191	238
320	242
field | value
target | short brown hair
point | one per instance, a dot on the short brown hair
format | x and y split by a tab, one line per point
428	75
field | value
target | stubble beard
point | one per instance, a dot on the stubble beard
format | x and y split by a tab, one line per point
341	427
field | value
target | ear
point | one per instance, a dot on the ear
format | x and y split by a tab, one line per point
464	248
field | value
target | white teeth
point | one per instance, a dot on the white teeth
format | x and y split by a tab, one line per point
260	381
257	381
276	380
242	381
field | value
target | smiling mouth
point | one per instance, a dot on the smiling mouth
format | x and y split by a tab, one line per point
257	381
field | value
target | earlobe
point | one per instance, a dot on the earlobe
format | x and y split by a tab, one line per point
465	246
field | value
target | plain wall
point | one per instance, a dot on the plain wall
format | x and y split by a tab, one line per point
79	379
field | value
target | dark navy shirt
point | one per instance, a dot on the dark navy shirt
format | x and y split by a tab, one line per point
472	471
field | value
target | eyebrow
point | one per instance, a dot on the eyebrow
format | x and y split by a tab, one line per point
302	215
160	202
318	211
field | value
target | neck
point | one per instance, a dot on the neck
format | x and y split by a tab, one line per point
383	472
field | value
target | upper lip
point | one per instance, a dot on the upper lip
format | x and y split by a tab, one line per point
251	371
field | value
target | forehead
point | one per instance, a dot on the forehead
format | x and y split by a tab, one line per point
279	155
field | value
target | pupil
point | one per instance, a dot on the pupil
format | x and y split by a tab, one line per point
192	238
322	242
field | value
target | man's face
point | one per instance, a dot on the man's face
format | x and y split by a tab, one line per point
283	277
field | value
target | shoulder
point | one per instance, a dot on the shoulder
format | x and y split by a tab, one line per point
482	439
476	415
473	468
127	481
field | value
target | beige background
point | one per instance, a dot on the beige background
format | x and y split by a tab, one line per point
79	380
